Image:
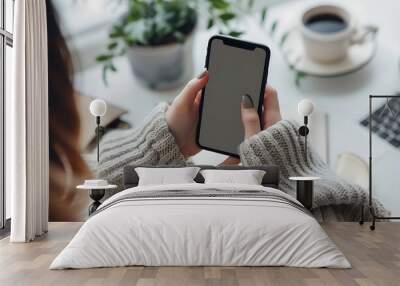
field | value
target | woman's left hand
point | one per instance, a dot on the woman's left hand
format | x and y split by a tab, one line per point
183	114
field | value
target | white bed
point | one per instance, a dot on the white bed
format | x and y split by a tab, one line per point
136	227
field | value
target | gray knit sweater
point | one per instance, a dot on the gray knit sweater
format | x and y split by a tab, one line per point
334	198
152	143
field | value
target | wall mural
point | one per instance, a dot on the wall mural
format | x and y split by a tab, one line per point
137	56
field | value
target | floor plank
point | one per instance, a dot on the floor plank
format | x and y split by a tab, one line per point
375	257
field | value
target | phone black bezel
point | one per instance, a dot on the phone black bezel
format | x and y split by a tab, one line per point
239	44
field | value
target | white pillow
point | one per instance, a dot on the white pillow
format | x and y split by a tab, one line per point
163	176
248	177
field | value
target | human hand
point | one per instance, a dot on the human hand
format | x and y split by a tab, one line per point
251	121
271	112
183	114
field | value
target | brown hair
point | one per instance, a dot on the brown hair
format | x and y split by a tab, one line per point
64	121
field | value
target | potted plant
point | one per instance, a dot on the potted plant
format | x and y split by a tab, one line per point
157	37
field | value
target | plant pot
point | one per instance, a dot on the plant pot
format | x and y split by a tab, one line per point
163	67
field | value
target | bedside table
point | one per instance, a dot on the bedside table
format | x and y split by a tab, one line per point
304	190
97	189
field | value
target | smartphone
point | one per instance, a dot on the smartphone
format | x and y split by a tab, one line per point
235	68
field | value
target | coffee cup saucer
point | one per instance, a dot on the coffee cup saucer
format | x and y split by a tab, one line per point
358	56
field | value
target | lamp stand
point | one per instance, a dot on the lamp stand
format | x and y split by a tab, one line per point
303	131
96	195
98	138
304	192
305	148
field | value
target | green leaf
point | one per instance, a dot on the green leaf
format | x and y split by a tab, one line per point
235	33
219	4
283	39
112	67
210	23
129	40
103	58
273	27
114	35
134	14
225	17
264	14
106	68
112	46
104	75
299	76
117	32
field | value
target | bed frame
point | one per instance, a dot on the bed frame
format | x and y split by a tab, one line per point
270	179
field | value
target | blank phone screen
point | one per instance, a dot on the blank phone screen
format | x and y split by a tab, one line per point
233	72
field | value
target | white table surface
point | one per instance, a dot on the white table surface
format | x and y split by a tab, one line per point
344	98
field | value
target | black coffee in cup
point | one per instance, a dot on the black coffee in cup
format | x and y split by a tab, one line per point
326	23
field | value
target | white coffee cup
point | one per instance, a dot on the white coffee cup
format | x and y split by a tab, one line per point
332	47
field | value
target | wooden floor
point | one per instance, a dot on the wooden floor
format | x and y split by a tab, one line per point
375	257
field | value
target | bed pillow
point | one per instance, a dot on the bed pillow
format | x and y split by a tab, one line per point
247	177
163	176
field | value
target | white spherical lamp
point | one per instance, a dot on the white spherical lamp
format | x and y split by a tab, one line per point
98	107
305	107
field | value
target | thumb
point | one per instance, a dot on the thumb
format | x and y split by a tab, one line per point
192	88
250	119
272	113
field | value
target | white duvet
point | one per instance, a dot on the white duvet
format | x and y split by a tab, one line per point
187	231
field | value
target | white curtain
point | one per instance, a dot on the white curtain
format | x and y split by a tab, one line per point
27	123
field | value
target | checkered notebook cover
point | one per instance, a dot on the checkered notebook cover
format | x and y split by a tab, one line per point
386	121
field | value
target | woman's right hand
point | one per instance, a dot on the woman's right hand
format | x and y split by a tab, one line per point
271	113
251	121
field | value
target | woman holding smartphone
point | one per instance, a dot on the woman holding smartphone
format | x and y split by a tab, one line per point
167	136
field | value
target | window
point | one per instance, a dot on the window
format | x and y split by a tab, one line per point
6	43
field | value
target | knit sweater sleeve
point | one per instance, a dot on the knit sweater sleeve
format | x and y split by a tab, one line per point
281	145
151	143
